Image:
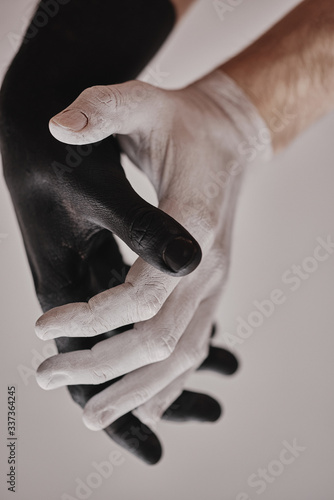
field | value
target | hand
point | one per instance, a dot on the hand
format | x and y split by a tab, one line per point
130	433
66	214
191	144
57	180
71	265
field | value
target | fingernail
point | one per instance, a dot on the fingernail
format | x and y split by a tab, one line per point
71	119
179	253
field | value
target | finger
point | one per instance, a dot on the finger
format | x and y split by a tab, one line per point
149	231
188	406
151	412
133	390
101	111
139	298
193	406
137	387
128	431
96	114
136	438
221	361
149	342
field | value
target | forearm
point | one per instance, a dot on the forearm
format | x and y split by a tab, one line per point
289	71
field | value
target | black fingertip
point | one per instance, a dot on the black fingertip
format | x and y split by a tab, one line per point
159	239
193	406
214	410
221	361
182	255
134	436
206	409
233	364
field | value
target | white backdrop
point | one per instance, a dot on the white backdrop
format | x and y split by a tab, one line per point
282	393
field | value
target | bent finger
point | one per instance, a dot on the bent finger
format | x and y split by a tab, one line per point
148	342
139	298
137	387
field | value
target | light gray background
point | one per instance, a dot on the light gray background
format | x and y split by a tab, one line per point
283	390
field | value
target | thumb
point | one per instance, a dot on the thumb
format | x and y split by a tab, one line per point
151	233
101	111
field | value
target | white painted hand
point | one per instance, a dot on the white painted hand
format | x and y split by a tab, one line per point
193	144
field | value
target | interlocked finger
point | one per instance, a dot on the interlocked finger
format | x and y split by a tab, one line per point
151	412
148	342
139	386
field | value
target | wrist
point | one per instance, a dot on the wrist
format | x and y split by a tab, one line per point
251	140
236	134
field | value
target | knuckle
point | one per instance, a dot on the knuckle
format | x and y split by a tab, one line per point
143	225
220	262
147	226
141	395
152	304
204	218
208	222
215	268
167	344
138	90
150	299
96	323
105	95
101	374
162	346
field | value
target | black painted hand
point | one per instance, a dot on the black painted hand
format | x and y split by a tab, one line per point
83	189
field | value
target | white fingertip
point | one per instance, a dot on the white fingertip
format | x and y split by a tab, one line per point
103	110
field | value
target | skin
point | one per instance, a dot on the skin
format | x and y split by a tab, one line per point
172	317
204	127
65	213
296	75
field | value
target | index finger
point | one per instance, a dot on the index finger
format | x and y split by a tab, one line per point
138	299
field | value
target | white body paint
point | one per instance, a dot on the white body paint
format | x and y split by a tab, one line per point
194	145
